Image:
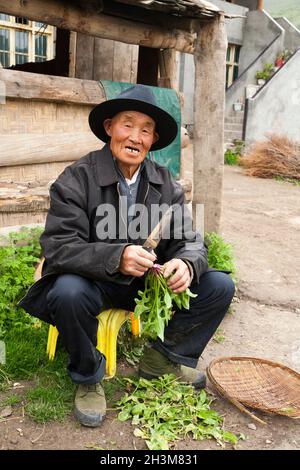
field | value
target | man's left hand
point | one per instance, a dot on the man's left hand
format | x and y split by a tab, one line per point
181	278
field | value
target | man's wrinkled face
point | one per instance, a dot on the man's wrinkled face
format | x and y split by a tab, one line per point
132	134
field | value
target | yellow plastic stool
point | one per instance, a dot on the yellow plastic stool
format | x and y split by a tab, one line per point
110	322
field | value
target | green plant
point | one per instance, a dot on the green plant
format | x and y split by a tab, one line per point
231	158
130	347
17	264
239	147
220	254
232	155
155	303
282	57
219	336
282	179
164	410
266	73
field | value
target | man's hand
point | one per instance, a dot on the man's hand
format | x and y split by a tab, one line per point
135	261
181	279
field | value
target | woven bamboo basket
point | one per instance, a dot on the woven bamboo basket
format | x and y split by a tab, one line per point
257	383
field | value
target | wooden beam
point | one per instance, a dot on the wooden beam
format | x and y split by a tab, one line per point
73	18
149	17
25	149
40	87
209	106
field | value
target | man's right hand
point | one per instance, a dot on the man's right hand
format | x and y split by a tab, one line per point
135	261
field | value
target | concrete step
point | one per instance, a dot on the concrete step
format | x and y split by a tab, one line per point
234	120
231	135
229	126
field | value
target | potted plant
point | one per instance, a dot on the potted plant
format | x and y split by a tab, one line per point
264	75
281	59
260	76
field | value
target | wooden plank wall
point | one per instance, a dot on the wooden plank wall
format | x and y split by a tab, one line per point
104	59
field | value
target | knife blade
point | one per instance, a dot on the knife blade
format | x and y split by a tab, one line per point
157	233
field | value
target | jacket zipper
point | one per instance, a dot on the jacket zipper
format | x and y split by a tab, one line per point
118	189
126	224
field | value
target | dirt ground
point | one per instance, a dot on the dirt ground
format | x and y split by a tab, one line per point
261	219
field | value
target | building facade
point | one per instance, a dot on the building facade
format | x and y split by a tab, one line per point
255	39
23	40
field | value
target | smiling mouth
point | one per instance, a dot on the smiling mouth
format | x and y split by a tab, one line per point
132	150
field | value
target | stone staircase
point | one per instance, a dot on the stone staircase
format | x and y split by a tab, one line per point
233	128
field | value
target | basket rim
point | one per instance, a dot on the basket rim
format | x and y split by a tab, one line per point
235	400
251	358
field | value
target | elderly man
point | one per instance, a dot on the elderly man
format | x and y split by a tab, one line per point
90	267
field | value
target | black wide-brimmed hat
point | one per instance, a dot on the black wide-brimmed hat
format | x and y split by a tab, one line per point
136	98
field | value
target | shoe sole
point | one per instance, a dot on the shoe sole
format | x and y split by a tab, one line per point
89	421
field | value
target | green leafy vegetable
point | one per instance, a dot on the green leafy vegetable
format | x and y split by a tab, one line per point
154	306
164	410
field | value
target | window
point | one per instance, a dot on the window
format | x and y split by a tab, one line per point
4	47
4	17
21	20
21	47
22	40
232	63
40	48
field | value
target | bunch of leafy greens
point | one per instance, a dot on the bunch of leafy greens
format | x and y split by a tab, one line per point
18	257
154	306
220	254
165	410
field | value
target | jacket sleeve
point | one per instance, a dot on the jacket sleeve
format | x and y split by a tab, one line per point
65	241
185	243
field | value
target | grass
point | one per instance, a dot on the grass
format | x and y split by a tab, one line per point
52	393
11	401
50	400
219	336
51	396
287	180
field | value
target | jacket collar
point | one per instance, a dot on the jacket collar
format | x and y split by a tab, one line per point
106	170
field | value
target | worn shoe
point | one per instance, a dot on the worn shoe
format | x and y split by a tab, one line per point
90	405
153	364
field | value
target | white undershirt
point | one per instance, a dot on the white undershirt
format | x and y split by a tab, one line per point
134	177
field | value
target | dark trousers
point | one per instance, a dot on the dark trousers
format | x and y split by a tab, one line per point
75	302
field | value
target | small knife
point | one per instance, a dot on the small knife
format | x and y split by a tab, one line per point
157	233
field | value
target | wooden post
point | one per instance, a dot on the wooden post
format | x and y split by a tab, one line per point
168	69
72	54
209	106
260	4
